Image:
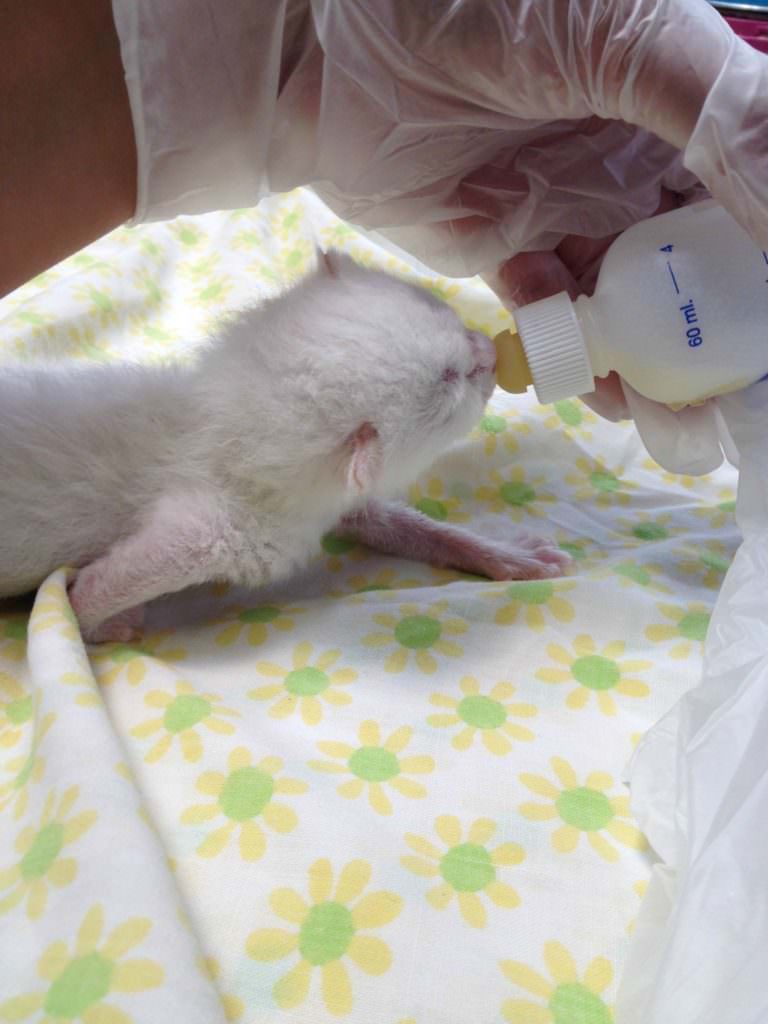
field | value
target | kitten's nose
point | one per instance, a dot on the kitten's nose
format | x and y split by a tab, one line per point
483	353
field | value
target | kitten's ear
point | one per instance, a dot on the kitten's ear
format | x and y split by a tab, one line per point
365	456
331	263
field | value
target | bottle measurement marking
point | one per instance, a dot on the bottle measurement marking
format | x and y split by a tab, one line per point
691	317
688	309
674	279
676	286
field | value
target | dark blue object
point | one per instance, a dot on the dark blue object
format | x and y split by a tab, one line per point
750	9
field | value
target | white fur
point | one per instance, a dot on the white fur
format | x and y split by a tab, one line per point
298	412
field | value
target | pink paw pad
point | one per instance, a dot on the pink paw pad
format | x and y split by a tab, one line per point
529	557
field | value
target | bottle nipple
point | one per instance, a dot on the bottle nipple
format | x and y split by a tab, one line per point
512	370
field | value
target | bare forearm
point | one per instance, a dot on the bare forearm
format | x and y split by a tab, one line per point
67	153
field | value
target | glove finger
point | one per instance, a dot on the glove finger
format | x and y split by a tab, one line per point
608	399
686	442
530	276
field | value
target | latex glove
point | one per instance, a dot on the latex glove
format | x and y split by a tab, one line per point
572	267
476	129
691	440
469	129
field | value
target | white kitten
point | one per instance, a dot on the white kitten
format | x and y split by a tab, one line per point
304	411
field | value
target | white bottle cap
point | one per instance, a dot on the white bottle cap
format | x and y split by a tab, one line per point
555	348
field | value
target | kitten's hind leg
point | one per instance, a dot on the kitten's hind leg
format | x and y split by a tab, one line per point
185	540
401	530
124	628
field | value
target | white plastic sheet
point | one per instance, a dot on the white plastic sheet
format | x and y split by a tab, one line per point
699	783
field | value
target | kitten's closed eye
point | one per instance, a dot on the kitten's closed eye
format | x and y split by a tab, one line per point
450	374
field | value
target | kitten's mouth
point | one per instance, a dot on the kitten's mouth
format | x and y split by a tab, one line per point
484	353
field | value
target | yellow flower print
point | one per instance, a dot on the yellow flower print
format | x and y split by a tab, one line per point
79	981
595	673
213	291
579	548
305	686
338	550
89	697
640	574
582	810
30	321
129	662
289	263
26	769
674	479
242	795
572	417
185	231
501	317
442	289
360	585
533	600
16	710
465	867
328	930
13	637
514	493
433	501
81	341
418	631
721	514
501	429
103	308
183	711
375	764
595	482
371	256
640	889
151	332
648	528
145	279
565	999
39	849
249	238
337	235
487	714
254	624
707	564
687	627
287	220
200	270
233	1007
52	609
365	256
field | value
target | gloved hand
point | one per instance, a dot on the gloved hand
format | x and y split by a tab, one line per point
471	129
526	126
689	440
468	129
481	128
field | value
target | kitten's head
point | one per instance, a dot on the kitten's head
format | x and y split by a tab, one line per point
381	371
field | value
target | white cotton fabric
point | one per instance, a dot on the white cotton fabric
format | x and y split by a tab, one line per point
141	879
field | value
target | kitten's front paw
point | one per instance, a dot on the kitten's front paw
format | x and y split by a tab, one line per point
529	556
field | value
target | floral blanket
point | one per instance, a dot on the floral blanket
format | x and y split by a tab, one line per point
381	794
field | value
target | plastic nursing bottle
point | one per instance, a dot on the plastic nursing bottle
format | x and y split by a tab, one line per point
680	311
